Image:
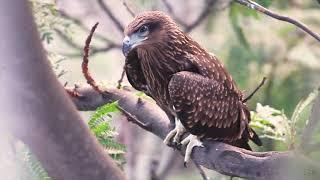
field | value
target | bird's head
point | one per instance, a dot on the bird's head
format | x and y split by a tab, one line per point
148	29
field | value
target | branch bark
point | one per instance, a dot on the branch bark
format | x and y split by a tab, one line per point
35	108
258	7
224	158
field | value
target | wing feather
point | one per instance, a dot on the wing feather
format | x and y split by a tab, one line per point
208	108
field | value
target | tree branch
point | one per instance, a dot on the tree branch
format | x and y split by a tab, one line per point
36	109
79	23
203	15
129	9
172	14
109	44
255	90
258	7
209	4
78	47
108	12
218	156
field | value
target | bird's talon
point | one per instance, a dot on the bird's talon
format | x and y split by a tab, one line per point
191	141
185	164
175	135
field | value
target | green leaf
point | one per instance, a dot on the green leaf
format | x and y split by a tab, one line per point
101	112
105	133
303	104
300	116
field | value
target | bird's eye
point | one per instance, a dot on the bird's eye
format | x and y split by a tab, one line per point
144	30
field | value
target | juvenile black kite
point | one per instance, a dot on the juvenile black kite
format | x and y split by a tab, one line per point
186	81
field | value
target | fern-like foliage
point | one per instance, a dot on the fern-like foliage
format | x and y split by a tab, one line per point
48	19
29	165
99	123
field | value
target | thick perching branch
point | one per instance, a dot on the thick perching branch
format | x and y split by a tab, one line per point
224	158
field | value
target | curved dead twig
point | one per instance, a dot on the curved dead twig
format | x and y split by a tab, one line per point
258	7
85	61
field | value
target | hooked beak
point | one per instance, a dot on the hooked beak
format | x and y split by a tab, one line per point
126	46
130	42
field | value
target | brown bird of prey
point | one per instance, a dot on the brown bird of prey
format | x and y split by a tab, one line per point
187	82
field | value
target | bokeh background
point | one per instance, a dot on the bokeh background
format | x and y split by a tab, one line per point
250	45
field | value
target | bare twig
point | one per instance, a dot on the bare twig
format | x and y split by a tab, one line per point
76	46
209	4
73	92
121	78
203	15
67	40
129	9
201	171
133	119
255	90
106	9
258	7
172	14
85	61
79	23
109	43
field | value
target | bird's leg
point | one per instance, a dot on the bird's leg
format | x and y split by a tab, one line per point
191	141
176	133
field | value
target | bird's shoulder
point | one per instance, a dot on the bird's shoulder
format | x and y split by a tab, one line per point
209	66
